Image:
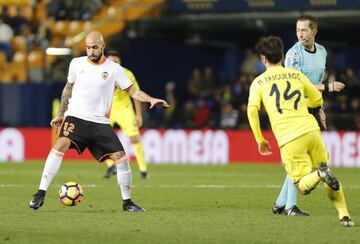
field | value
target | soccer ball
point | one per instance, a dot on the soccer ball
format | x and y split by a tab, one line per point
70	194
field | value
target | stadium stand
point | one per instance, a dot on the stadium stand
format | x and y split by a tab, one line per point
167	33
58	23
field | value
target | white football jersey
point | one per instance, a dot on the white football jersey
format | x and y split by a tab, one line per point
93	89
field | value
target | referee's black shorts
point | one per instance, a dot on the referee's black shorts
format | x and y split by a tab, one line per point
99	138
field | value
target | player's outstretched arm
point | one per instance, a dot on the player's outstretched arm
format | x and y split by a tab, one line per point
143	97
65	96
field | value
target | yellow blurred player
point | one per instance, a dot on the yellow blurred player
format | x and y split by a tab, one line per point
122	113
55	130
282	92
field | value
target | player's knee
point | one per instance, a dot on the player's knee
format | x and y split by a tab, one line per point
307	192
123	167
134	139
119	157
302	191
62	144
121	161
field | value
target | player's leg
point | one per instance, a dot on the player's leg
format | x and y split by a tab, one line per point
124	175
70	135
139	154
286	201
333	187
280	202
52	166
111	168
124	179
338	199
104	145
291	208
308	182
291	194
297	164
128	125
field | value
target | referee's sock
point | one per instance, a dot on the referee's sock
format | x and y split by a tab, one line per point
291	194
281	199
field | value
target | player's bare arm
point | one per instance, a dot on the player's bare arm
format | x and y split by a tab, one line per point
65	96
143	97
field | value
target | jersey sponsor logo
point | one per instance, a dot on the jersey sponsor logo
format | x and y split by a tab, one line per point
105	75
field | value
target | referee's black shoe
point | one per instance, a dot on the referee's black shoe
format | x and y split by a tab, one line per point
278	209
295	211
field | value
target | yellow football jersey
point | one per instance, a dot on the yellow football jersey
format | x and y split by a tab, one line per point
281	90
122	98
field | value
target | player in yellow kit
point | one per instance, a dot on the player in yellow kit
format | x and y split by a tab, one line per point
282	92
123	114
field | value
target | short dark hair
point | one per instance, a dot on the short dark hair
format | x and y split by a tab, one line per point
113	53
313	20
271	47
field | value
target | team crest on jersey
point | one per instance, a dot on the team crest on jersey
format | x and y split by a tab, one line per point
104	75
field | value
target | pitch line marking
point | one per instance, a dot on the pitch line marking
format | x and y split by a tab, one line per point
199	186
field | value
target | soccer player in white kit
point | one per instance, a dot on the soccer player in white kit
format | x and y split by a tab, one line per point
84	117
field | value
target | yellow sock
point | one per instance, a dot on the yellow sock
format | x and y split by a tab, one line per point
309	182
140	158
109	162
338	199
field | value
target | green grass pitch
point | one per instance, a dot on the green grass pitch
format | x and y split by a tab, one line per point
185	204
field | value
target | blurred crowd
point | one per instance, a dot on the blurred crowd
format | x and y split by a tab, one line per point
34	21
73	10
206	101
26	30
210	102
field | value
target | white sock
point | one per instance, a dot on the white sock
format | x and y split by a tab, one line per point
124	178
52	166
